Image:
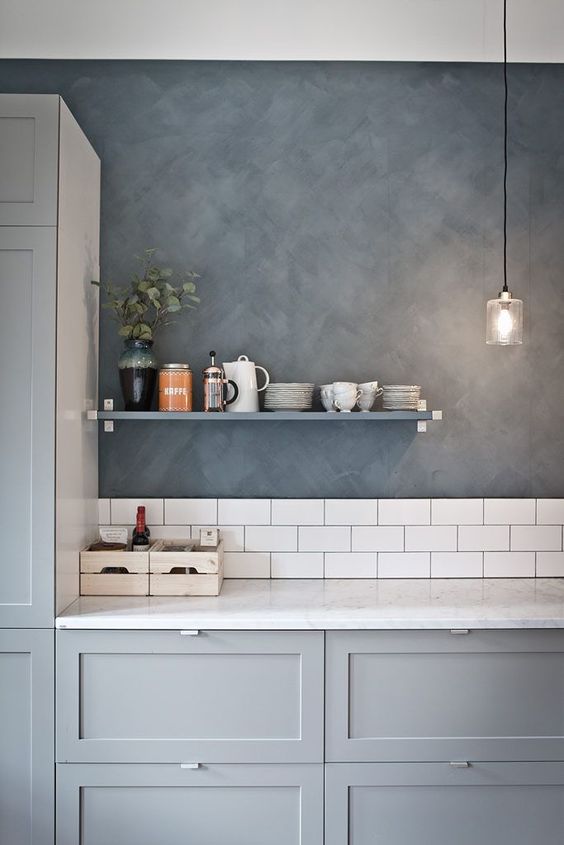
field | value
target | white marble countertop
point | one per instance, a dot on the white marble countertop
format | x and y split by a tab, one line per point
334	604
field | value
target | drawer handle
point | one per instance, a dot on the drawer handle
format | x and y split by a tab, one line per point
189	633
459	631
459	764
190	765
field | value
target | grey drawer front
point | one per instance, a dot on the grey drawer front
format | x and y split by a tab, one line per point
433	695
213	805
29	140
26	737
434	804
216	697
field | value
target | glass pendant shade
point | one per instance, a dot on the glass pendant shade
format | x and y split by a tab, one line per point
504	320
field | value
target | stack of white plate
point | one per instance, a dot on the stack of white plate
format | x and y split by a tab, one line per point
401	397
291	396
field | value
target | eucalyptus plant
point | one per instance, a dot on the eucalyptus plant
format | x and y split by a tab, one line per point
145	304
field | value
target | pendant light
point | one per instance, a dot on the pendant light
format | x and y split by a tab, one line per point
505	314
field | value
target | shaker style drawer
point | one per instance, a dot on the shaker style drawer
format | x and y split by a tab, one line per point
211	805
437	804
29	164
220	697
436	695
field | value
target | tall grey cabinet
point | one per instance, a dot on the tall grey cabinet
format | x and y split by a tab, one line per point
49	246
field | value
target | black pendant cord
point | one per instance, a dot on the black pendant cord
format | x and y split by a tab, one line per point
505	288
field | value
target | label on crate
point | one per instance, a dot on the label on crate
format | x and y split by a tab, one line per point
209	536
113	535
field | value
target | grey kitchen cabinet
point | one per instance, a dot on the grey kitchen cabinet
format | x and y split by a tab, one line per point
26	737
29	152
49	246
438	804
210	805
28	258
438	696
213	697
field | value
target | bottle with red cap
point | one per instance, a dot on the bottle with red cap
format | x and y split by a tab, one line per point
140	541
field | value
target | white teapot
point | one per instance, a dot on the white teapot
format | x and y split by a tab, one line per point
243	373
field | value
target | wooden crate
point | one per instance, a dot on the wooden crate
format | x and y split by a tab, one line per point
95	582
207	563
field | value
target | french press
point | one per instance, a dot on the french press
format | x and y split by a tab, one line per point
216	386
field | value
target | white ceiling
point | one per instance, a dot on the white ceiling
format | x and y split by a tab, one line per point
373	30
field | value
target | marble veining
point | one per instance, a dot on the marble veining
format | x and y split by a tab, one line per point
338	604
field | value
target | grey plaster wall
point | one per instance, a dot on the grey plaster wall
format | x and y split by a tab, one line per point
346	221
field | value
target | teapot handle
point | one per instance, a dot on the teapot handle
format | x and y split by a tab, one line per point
267	377
235	387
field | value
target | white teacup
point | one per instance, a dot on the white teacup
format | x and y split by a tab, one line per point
368	391
327	397
346	394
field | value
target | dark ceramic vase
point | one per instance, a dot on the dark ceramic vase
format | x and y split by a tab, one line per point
138	374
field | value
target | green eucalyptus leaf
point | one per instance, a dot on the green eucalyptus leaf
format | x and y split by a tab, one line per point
173	308
125	331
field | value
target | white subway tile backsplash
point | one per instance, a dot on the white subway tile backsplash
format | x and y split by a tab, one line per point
170	532
550	511
364	538
456	564
509	511
104	517
190	511
509	565
542	538
297	565
159	532
550	564
271	538
381	538
324	539
351	512
404	565
124	511
350	565
404	511
243	511
297	511
483	538
430	538
246	564
233	536
457	511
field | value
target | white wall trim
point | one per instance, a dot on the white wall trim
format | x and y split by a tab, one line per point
332	30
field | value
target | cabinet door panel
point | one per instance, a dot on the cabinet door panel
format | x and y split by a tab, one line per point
216	697
435	804
26	737
431	695
213	805
27	425
29	149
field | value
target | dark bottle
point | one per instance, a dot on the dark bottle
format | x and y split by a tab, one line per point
140	539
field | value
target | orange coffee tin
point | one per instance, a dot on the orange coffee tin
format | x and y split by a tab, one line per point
175	387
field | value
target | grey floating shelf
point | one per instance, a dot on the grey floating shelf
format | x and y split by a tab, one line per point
420	417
